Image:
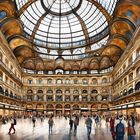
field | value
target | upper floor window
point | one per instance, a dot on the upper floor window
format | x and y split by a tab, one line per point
85	81
59	81
94	81
104	80
1	76
6	62
138	52
0	56
130	61
94	91
124	67
30	81
67	81
125	81
39	81
75	81
130	76
138	71
49	81
29	91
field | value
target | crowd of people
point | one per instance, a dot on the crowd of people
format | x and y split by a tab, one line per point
119	125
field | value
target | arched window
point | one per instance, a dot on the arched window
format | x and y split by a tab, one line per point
49	91
67	81
30	81
130	76
3	14
75	92
124	92
84	91
137	86
94	91
138	52
1	90
125	81
49	81
59	81
138	71
104	80
6	93
1	76
39	81
0	56
29	91
94	81
11	94
58	91
40	91
67	91
75	81
85	81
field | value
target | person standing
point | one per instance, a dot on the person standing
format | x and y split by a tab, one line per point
120	127
13	123
88	123
50	122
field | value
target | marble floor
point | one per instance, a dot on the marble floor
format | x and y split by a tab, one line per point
26	131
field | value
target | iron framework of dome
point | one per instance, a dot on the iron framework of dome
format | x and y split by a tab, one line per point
66	27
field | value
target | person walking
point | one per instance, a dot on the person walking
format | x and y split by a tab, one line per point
120	127
50	122
131	130
71	124
76	123
88	123
13	123
33	120
112	123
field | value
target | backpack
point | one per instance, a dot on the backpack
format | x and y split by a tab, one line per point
120	129
15	122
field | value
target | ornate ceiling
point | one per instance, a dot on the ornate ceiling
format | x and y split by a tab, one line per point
69	35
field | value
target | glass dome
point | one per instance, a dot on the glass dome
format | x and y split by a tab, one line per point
68	27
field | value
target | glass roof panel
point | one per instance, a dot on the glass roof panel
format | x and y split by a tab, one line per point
66	24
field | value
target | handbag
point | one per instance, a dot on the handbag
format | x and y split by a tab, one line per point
131	131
